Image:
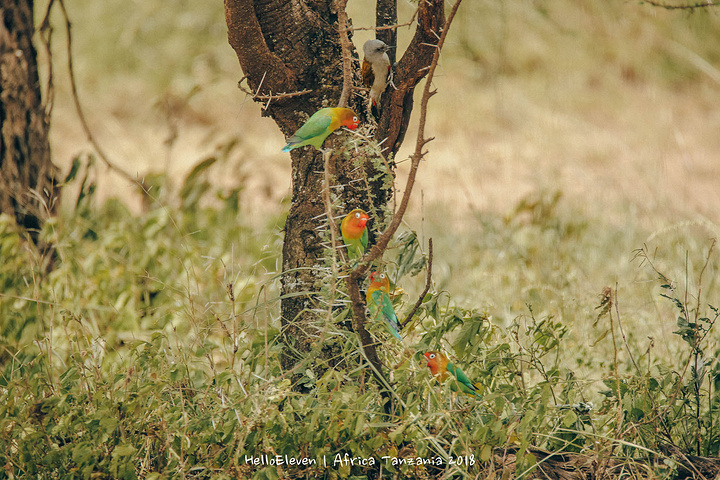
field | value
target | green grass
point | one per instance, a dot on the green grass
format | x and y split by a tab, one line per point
133	359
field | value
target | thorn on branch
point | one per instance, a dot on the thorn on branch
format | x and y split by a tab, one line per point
426	141
271	96
385	27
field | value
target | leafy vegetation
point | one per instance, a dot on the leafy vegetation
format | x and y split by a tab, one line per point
149	351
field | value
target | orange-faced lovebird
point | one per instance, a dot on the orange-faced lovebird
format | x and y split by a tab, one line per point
375	71
321	124
378	302
440	367
355	233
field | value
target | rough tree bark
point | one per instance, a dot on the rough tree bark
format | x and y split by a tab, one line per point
293	47
28	189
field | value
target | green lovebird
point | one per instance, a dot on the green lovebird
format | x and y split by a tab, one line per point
354	233
320	125
441	367
378	300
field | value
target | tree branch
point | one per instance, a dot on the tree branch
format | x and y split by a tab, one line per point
428	283
256	59
271	96
377	250
379	29
81	115
386	15
346	52
397	103
682	7
335	233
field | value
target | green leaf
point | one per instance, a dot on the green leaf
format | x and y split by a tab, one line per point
76	164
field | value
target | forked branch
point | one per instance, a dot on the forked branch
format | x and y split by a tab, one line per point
346	52
377	250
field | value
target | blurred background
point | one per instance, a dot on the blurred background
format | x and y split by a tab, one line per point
568	134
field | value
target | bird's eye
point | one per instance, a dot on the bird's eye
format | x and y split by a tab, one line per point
432	355
382	276
357	214
355	120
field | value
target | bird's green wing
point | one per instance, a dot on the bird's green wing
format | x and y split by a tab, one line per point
364	240
382	300
316	126
465	383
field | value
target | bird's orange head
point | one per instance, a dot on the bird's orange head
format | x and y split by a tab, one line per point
349	119
379	281
354	223
437	363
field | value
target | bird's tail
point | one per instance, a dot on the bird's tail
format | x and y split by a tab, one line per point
292	142
393	329
475	387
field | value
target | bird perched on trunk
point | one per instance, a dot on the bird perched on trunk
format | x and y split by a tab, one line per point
441	367
378	302
375	71
321	124
355	233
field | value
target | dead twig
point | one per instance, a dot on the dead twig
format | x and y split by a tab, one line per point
335	233
622	331
692	6
385	27
377	250
428	282
271	96
346	52
46	31
76	100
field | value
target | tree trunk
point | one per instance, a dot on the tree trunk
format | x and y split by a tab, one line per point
291	56
28	189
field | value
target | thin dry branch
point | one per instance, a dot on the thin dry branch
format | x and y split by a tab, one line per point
428	283
377	250
699	287
83	121
334	230
45	36
386	27
271	96
622	331
692	6
346	52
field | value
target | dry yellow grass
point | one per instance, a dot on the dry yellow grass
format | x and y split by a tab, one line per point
608	104
613	104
